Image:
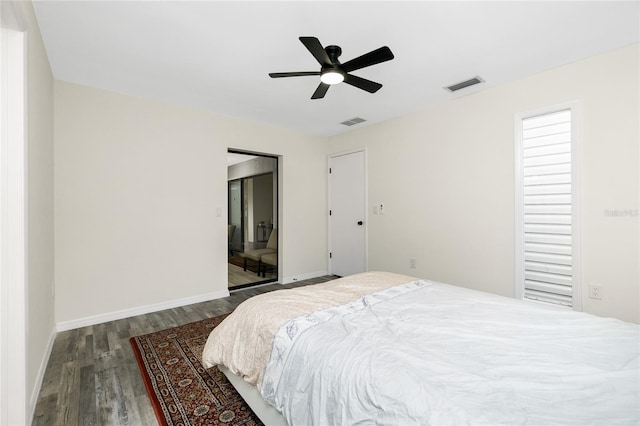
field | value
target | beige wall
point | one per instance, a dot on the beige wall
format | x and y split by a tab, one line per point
138	184
446	178
137	188
40	258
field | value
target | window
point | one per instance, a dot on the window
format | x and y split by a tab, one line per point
547	207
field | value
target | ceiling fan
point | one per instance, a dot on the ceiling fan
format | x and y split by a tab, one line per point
333	72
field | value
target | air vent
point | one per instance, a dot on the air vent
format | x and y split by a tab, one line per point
463	84
353	121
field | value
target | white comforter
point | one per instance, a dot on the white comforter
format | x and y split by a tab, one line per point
428	353
242	342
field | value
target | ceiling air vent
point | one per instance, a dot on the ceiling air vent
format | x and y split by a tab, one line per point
353	121
463	84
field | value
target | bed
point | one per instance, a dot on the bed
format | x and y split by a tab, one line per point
383	348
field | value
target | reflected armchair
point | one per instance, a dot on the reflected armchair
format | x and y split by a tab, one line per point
270	259
256	254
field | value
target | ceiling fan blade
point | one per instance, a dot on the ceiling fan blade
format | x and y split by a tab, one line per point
362	83
320	91
313	45
292	74
377	56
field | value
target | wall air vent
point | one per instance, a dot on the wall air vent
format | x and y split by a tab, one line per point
463	84
353	121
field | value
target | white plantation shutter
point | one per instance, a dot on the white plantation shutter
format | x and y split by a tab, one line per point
546	237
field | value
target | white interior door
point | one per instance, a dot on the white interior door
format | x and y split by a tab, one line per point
347	213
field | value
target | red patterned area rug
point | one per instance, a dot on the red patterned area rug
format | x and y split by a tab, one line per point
181	390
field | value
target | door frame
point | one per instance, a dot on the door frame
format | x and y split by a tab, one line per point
279	208
15	407
366	204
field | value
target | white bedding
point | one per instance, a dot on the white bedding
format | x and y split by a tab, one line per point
242	342
430	353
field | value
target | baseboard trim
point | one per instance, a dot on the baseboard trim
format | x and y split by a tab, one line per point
140	310
35	392
308	276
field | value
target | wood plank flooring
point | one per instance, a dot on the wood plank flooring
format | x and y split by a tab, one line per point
238	277
92	377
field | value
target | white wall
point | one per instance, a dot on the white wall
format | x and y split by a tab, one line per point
137	188
137	185
40	258
446	178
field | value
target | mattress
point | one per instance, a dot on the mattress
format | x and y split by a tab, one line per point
243	341
418	352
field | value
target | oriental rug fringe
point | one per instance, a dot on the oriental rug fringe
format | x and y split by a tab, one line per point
181	390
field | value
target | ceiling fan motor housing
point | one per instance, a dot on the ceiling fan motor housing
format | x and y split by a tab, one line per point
333	52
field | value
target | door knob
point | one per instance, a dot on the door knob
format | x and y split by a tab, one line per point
360	222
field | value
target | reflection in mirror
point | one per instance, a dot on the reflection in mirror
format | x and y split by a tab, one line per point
252	215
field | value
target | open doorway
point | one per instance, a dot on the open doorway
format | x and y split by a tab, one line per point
252	181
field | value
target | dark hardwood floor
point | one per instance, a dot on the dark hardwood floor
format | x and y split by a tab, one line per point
92	377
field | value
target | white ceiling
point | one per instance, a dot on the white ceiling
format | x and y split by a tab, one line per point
216	55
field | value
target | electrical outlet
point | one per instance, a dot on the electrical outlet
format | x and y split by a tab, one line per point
412	263
595	291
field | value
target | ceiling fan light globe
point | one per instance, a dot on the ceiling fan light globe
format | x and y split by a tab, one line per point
332	77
